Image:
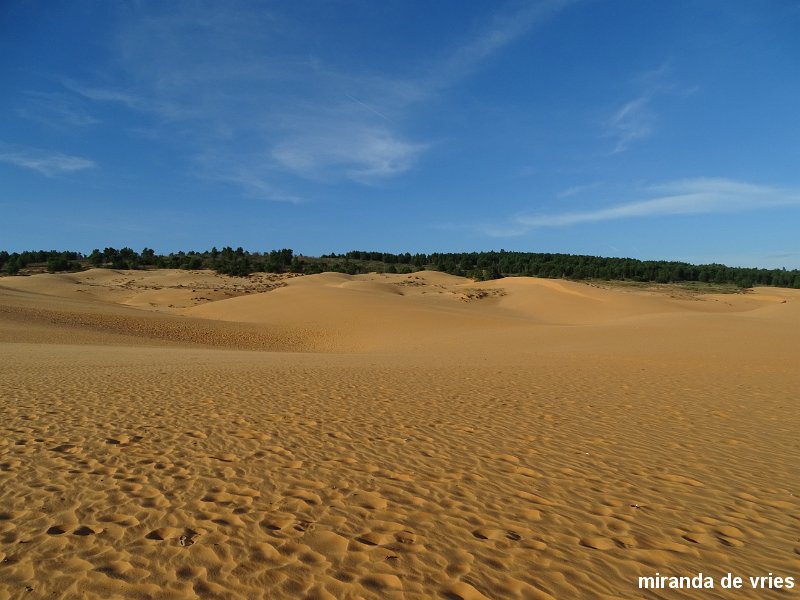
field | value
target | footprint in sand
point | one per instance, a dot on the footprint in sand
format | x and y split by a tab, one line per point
184	537
373	538
122	439
486	533
277	521
382	582
598	543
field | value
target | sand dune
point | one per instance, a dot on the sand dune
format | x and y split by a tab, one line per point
171	434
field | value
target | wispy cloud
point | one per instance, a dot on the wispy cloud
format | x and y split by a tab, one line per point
248	172
254	185
576	190
370	153
48	164
682	197
223	78
55	109
107	95
503	28
371	109
637	118
323	142
143	103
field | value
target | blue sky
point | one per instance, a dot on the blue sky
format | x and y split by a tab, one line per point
635	128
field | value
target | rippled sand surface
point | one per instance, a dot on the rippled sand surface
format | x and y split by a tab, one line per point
405	436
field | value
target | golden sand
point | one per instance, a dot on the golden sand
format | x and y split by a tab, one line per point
172	434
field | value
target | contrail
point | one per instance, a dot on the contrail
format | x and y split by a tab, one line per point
368	107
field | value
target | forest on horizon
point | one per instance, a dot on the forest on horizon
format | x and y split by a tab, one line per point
480	266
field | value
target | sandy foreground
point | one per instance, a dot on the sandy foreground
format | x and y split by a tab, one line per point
173	434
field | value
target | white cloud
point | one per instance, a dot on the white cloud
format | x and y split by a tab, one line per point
254	185
504	28
675	198
246	172
576	190
361	154
107	95
238	81
683	197
47	164
634	121
165	109
332	139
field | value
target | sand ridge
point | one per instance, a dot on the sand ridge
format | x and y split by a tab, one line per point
423	436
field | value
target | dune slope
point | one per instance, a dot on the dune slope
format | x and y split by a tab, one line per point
392	437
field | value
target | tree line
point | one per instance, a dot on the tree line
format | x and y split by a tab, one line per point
479	266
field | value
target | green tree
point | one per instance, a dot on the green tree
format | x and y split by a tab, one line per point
11	266
96	258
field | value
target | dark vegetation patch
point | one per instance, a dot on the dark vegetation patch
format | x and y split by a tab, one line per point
480	266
